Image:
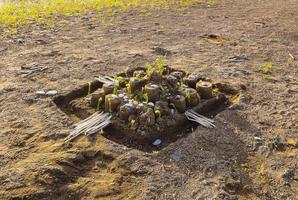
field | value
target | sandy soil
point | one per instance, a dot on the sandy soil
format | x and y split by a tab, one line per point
252	154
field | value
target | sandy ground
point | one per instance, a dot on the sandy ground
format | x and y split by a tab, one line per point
252	154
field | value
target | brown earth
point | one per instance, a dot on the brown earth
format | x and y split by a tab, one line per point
251	154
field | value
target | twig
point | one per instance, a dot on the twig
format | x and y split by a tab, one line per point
291	56
200	119
106	79
90	125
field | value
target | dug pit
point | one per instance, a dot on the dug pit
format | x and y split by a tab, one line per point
146	105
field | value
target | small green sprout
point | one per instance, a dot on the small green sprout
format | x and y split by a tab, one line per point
128	87
115	91
139	74
157	113
132	122
181	82
139	95
120	79
89	88
160	62
187	97
215	90
146	97
163	92
149	70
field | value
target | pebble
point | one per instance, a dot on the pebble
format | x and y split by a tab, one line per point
52	92
157	142
41	92
176	155
151	104
258	138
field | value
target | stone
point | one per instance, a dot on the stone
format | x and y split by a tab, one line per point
155	77
147	117
157	142
163	107
96	96
41	93
52	93
126	110
112	102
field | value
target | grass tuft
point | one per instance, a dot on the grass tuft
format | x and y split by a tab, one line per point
267	68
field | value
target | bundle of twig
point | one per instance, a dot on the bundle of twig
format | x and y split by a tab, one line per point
106	80
200	119
90	125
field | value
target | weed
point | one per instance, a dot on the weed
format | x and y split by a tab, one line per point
215	90
128	87
120	80
140	95
187	97
145	97
132	122
115	91
159	63
149	70
267	68
16	14
157	113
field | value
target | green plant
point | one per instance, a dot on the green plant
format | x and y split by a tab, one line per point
128	87
132	122
181	81
139	74
145	97
187	97
115	91
267	68
149	70
14	14
119	79
159	63
215	90
163	92
157	113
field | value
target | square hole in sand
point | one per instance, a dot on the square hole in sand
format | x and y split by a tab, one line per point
145	107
